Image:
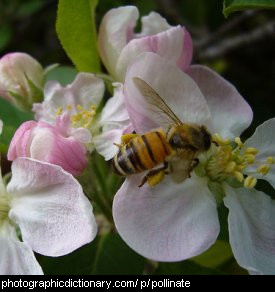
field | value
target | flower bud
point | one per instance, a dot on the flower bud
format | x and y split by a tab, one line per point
45	142
21	80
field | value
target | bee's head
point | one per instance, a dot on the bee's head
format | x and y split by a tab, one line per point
191	136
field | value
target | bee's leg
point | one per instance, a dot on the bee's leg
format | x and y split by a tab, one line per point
154	176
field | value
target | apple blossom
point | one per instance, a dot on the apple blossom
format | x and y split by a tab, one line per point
74	109
21	79
119	45
48	206
49	143
175	221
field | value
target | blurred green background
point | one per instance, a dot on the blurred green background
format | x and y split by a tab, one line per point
241	48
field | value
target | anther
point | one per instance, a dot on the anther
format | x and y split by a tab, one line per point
250	182
230	167
251	150
263	169
239	142
249	158
270	160
238	175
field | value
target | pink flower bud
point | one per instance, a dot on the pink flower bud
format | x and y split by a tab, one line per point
21	79
45	142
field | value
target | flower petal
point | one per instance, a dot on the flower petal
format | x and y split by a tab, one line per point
115	30
50	208
263	139
152	23
168	44
16	257
170	222
231	114
176	88
252	229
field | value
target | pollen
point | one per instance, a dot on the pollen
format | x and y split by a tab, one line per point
59	111
263	169
239	142
250	182
83	117
270	160
251	150
218	139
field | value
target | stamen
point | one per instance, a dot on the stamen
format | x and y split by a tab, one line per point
219	140
251	150
249	158
59	111
250	182
238	175
239	142
270	160
263	169
230	167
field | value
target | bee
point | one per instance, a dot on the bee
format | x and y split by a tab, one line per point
177	149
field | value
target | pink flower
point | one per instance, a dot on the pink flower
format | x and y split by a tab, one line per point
49	143
119	45
175	221
21	79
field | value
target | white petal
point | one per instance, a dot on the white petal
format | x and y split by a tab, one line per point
263	139
115	108
50	208
16	258
115	30
170	222
252	229
153	23
177	89
168	44
231	114
104	143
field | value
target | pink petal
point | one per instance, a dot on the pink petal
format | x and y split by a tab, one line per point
20	142
252	229
168	44
16	257
50	208
187	52
231	114
115	30
177	89
170	222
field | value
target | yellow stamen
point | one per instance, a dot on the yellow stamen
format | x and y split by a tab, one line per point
239	142
238	175
230	167
263	169
59	111
249	158
251	150
250	182
69	107
270	160
218	139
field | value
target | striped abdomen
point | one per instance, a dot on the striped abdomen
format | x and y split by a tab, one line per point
143	152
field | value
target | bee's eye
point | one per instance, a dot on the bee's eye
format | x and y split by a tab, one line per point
176	141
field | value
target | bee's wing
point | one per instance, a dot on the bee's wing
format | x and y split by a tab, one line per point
181	164
156	101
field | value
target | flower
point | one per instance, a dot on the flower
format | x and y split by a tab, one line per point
21	79
74	109
119	45
173	222
47	206
49	143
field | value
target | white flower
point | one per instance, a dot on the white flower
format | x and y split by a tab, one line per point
173	222
49	208
74	109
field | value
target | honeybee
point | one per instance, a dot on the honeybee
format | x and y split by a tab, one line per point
177	149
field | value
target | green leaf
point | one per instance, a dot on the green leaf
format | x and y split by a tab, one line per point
116	258
215	256
230	6
107	254
12	118
63	74
5	35
184	268
76	30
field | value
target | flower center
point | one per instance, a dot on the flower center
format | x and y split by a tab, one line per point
231	159
82	118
